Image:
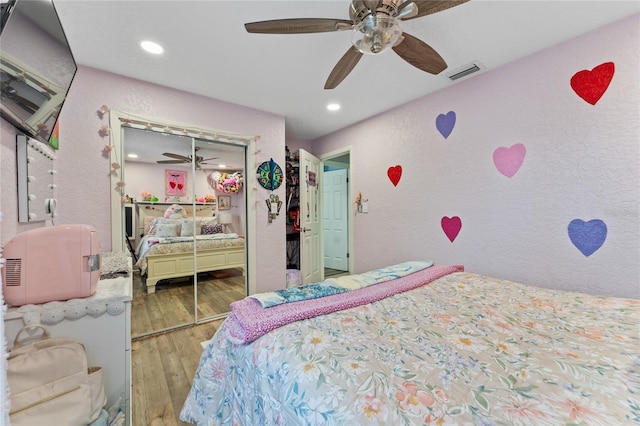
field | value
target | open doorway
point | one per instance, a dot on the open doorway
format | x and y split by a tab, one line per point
336	222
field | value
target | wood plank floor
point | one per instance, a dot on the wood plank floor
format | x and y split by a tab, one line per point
162	368
172	303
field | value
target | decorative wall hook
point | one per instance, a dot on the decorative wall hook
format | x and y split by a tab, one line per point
361	204
273	206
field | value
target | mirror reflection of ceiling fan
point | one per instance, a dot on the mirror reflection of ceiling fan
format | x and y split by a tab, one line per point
376	26
188	159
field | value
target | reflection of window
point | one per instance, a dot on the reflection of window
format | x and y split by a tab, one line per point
27	96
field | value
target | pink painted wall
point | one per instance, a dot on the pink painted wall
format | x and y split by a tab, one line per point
581	162
83	179
295	144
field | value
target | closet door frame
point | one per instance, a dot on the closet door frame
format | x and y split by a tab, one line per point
119	119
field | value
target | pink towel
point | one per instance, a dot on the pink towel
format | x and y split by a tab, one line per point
248	320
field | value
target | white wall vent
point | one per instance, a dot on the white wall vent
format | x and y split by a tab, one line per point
465	71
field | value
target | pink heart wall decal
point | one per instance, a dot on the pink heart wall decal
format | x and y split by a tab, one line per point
591	85
395	173
451	226
509	160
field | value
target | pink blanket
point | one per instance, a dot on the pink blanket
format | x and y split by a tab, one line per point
248	320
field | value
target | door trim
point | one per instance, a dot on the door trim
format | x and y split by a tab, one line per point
328	157
118	119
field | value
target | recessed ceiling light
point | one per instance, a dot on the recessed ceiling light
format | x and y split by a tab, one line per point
132	155
333	107
152	47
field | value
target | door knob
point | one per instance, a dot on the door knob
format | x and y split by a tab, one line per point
305	229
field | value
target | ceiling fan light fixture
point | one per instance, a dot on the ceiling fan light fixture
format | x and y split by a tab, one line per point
376	34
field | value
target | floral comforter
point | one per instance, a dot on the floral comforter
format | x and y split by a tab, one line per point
464	350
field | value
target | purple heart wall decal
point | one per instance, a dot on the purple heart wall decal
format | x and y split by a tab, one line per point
445	123
509	160
587	236
451	226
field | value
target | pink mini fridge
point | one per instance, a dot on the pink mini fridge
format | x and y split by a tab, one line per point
51	264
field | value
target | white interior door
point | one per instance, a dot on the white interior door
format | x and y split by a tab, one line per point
310	219
335	226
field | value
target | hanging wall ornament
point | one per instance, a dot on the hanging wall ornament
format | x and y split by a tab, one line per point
270	175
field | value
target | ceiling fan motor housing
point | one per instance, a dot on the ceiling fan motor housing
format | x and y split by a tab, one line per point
360	9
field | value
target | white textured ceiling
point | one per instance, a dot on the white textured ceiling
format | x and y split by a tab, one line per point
208	51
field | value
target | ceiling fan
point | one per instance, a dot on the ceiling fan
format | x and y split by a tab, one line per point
376	25
177	159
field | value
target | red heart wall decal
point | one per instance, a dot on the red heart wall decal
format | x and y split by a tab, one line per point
591	85
451	226
395	173
172	185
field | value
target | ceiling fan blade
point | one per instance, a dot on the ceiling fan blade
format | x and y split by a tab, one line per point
344	66
407	10
176	156
298	26
207	159
420	54
171	161
433	6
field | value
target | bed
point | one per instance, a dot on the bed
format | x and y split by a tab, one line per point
435	346
166	249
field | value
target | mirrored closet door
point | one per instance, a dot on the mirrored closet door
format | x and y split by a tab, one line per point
221	257
184	222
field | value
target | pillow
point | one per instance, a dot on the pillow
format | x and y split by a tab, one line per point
166	230
148	220
212	229
187	227
205	220
162	221
208	220
174	211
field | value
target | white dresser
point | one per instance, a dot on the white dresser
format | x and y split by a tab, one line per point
102	322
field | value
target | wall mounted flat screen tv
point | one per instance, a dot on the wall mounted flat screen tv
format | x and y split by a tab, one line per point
36	66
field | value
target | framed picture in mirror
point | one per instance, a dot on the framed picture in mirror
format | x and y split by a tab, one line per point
175	182
224	202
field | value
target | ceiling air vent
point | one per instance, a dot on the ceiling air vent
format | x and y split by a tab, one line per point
465	71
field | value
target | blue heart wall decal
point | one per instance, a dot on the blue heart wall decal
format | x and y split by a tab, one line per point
587	236
445	123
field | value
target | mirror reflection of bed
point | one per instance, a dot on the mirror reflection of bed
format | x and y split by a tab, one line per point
164	226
